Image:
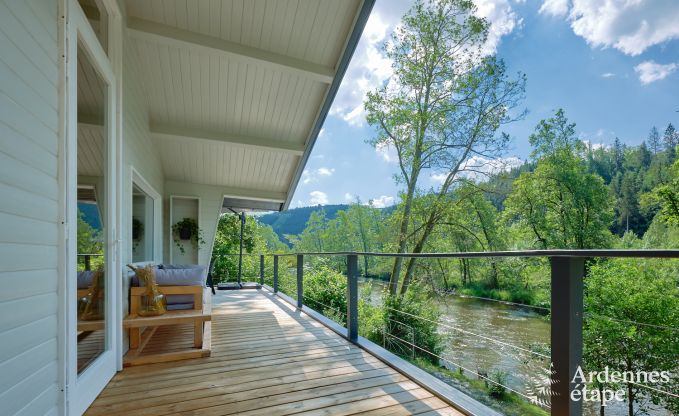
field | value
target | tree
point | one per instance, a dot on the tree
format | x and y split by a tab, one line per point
560	204
671	139
313	236
367	222
666	198
654	140
442	107
632	311
257	239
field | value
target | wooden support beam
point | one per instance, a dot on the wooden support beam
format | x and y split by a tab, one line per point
173	36
179	133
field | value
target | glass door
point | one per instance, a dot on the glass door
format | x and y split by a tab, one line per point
92	265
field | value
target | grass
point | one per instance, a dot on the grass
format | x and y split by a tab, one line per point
508	403
509	294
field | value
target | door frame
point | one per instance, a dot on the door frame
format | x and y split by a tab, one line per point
137	179
80	390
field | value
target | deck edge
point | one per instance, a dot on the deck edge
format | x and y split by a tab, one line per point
449	394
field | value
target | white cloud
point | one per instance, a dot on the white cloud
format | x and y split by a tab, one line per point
370	68
595	146
318	198
607	75
479	168
311	176
348	196
502	18
439	178
556	8
650	71
306	177
325	171
631	26
383	201
386	152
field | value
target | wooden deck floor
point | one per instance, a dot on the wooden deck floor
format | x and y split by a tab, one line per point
267	358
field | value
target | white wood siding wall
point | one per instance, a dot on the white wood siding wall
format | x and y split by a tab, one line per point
139	152
28	207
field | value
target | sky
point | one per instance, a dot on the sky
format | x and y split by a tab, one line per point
612	65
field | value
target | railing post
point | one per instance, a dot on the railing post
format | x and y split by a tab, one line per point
352	297
567	311
261	269
88	265
300	280
275	274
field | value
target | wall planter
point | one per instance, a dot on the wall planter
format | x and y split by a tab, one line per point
187	230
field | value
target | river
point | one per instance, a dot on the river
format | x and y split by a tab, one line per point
487	336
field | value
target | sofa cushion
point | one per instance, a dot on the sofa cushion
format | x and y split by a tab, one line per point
181	277
85	279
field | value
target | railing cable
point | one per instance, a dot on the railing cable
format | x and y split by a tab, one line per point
471	333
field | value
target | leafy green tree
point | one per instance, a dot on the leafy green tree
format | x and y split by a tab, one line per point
89	241
560	204
443	105
313	237
632	312
257	239
666	197
671	140
654	140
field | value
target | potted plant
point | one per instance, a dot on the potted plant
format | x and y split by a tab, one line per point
187	229
137	232
137	229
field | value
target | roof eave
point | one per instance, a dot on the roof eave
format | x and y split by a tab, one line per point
347	54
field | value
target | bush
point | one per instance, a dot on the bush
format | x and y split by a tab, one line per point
497	389
325	290
413	317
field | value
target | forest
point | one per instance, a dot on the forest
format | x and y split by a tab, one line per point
443	113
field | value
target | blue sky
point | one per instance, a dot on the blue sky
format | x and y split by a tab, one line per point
613	66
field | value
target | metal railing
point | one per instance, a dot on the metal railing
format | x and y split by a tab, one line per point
87	259
567	269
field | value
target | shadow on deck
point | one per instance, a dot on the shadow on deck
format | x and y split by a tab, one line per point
268	358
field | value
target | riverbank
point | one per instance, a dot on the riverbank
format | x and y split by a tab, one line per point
508	403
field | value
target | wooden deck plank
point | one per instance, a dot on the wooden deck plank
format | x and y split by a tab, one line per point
267	358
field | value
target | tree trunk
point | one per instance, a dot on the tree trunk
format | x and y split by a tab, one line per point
463	273
630	400
602	408
402	240
418	249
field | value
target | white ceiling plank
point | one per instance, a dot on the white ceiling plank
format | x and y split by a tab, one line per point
173	132
152	31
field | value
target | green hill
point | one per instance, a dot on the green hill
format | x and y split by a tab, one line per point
293	221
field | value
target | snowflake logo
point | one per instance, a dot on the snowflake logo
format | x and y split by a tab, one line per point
539	387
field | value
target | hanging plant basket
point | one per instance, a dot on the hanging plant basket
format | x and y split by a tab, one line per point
187	230
137	229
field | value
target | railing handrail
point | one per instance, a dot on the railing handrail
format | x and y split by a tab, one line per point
573	253
567	311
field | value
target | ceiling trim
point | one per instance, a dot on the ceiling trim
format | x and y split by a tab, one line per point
262	196
354	37
179	133
169	35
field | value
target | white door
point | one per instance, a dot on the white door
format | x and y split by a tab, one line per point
92	265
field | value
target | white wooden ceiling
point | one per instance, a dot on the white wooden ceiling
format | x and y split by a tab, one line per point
91	90
236	88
